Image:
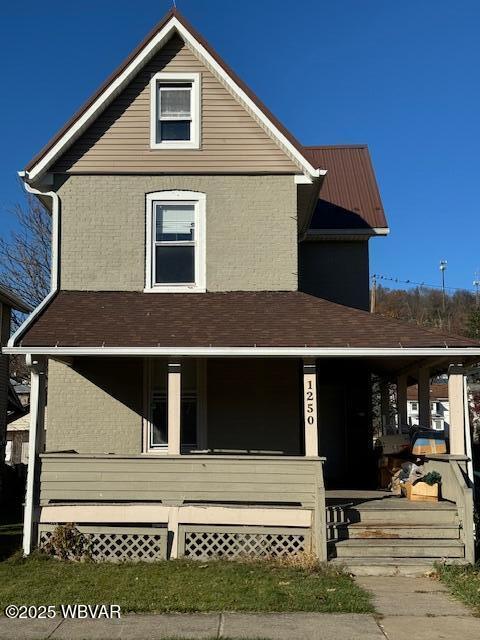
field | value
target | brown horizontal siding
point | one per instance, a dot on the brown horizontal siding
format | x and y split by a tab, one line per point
119	140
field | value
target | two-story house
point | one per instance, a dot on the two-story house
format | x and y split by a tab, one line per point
439	406
209	294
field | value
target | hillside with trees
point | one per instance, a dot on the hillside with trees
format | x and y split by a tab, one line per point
458	314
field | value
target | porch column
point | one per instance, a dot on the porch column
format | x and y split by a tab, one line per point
457	410
310	407
37	417
424	397
402	401
174	403
384	404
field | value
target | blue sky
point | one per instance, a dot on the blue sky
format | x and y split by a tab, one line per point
400	76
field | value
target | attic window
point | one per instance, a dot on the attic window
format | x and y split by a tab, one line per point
175	111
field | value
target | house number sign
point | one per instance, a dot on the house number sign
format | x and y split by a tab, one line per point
310	409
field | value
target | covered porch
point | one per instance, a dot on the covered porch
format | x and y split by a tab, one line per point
194	429
221	455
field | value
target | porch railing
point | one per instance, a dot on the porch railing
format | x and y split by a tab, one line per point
455	487
295	481
242	500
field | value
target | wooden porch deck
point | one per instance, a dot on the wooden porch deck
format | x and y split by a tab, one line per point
378	499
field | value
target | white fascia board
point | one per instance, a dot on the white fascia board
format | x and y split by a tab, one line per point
276	352
54	262
118	84
200	49
373	231
100	103
302	178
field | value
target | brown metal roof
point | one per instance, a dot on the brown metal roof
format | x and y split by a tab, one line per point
118	71
231	319
349	197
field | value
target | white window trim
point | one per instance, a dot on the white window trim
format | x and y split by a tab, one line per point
194	142
201	408
199	200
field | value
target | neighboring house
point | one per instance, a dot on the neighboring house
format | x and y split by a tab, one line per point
439	406
200	368
22	391
16	450
18	423
9	302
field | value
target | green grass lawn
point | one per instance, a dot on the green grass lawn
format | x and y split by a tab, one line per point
10	539
464	583
181	585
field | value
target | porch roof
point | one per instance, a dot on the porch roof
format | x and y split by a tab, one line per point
82	319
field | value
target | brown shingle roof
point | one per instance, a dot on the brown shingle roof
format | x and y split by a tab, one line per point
232	319
349	197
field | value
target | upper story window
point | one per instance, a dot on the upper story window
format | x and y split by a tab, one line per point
175	111
175	242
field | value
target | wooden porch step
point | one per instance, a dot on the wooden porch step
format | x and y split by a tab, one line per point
408	567
393	512
399	548
381	530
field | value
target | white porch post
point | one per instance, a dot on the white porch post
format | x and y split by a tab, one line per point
457	410
174	403
310	407
37	416
402	400
424	397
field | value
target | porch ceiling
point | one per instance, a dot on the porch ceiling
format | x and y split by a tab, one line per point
262	320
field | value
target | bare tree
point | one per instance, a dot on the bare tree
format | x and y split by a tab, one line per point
25	254
25	260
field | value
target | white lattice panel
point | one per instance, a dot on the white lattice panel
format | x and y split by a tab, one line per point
120	545
204	544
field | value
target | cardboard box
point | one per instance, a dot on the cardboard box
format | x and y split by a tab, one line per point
394	443
428	446
421	492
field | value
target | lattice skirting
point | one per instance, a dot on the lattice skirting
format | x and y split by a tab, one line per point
119	544
202	542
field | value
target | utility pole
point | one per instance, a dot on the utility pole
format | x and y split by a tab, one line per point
373	294
476	284
443	266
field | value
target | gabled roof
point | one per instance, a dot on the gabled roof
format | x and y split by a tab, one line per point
15	408
349	197
121	319
172	23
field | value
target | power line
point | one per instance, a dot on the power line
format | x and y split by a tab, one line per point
377	276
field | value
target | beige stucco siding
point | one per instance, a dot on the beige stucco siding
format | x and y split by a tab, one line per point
95	406
231	139
254	404
251	231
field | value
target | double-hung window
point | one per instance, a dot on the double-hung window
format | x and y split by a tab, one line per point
174	254
175	111
175	241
